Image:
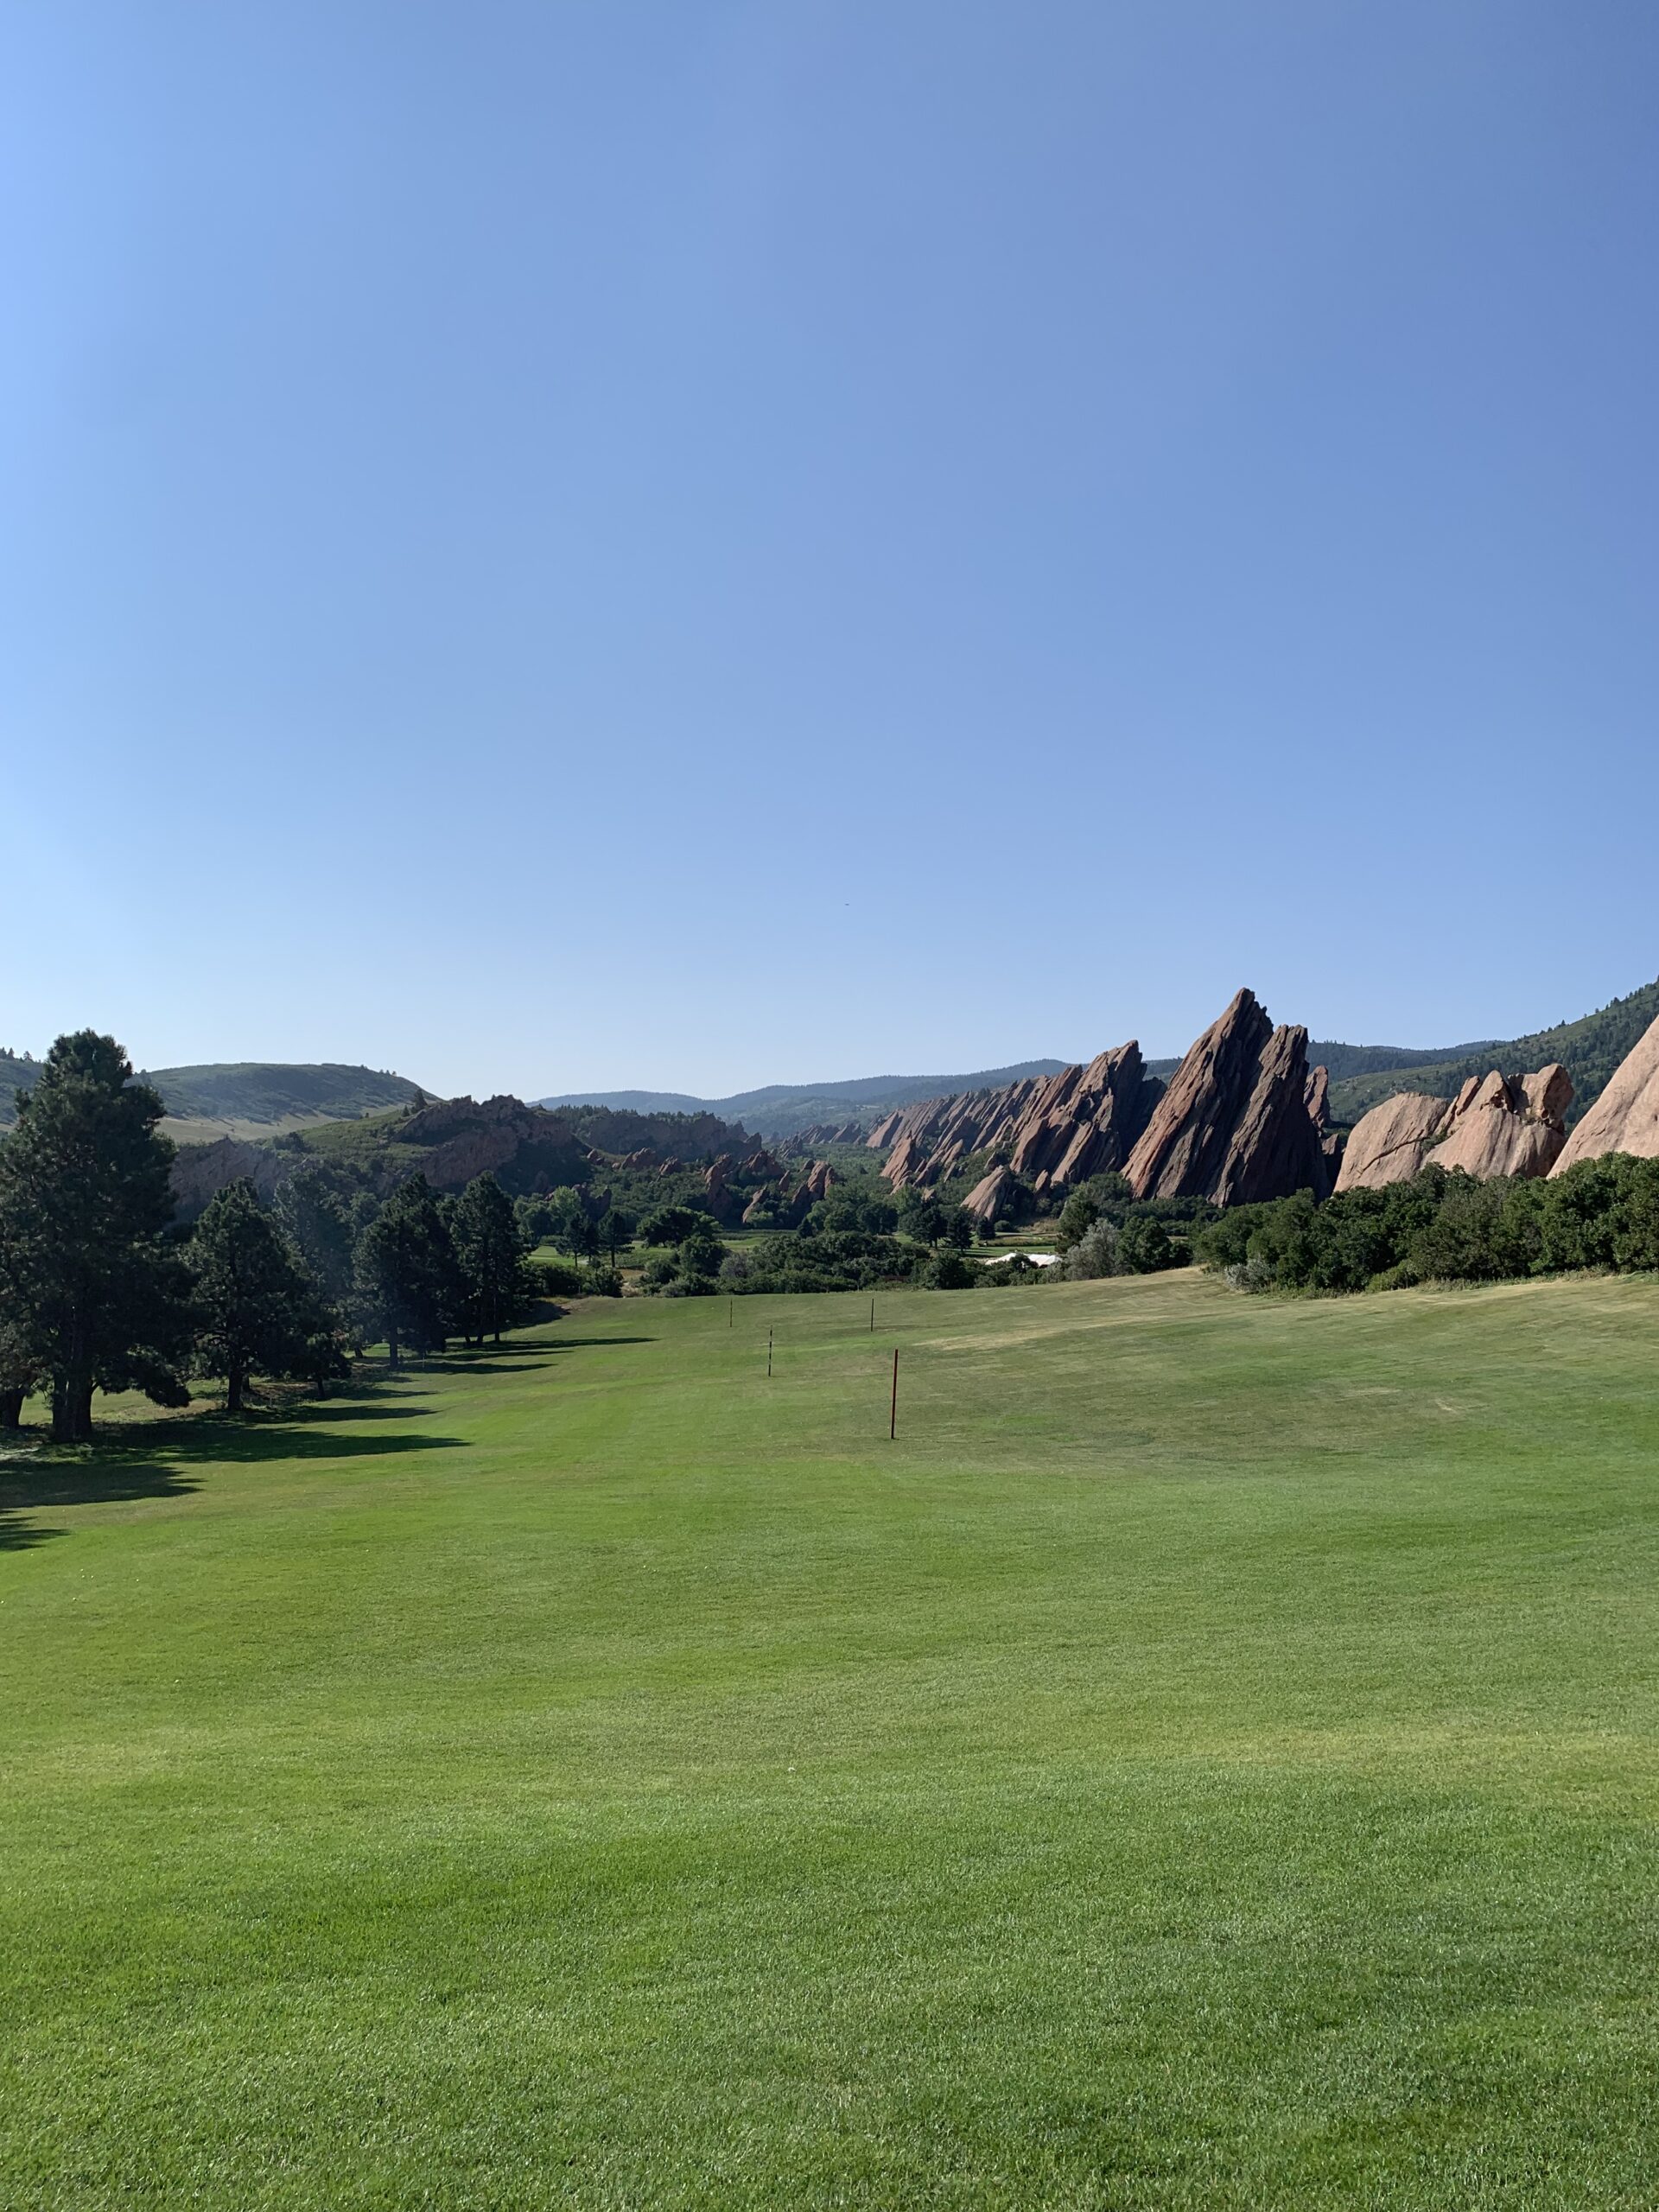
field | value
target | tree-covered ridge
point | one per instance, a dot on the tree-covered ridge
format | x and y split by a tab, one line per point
1590	1049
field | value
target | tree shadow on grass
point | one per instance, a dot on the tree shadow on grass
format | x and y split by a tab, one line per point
27	1485
228	1439
490	1359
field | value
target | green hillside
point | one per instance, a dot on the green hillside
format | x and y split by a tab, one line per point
256	1093
1210	1761
1590	1049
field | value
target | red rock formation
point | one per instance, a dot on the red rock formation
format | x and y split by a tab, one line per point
991	1195
1390	1143
724	1203
791	1209
1501	1130
1625	1118
1495	1126
1234	1125
1056	1130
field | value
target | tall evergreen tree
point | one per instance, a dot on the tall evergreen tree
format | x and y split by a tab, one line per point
257	1309
317	1220
490	1254
406	1272
94	1296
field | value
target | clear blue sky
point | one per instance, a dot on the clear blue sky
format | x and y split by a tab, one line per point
694	544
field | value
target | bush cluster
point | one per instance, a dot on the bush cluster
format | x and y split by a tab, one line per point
1445	1227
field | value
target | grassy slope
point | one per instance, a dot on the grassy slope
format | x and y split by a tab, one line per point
238	1098
1208	1761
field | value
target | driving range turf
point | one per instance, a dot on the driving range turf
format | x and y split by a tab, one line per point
1208	1760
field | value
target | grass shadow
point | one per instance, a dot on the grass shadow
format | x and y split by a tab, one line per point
238	1440
42	1481
22	1537
88	1481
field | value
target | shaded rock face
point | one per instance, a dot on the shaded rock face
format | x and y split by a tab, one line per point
1235	1126
1057	1130
526	1148
1625	1118
200	1171
1497	1125
1390	1143
820	1181
724	1203
991	1195
827	1133
790	1208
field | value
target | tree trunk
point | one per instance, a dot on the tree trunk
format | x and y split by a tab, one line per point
11	1408
234	1384
392	1347
72	1409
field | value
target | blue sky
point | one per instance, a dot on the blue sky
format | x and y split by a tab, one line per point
696	545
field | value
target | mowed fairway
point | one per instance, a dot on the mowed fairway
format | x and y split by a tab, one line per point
1209	1760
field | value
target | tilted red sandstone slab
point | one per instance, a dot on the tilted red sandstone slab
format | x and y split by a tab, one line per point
1498	1131
1625	1118
1497	1125
1234	1124
1390	1143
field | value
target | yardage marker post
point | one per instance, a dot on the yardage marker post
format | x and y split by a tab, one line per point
872	1317
893	1417
768	1353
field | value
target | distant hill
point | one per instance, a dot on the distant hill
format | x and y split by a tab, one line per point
248	1097
781	1109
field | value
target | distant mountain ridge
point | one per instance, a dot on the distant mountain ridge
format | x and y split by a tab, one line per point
780	1108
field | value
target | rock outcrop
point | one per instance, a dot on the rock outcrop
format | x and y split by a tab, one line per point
1055	1130
774	1205
1497	1125
199	1170
1242	1118
526	1147
1234	1125
723	1202
1390	1143
1508	1126
822	1132
1625	1118
991	1195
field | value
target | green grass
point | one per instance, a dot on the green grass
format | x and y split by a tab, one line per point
1210	1760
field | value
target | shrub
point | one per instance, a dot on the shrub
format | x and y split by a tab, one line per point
1094	1254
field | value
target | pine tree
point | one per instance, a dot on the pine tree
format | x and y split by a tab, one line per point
490	1254
257	1309
94	1296
315	1218
406	1272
